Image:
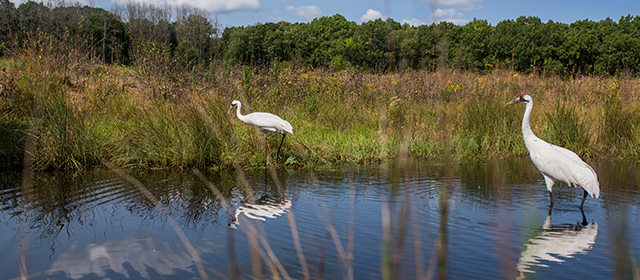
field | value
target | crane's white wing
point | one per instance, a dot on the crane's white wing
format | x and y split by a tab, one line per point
267	122
563	165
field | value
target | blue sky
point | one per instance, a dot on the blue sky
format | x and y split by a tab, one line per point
415	12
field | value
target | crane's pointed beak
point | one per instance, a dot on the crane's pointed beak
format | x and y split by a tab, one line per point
512	102
230	108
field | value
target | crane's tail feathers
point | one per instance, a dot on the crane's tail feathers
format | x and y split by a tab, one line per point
592	187
584	176
287	127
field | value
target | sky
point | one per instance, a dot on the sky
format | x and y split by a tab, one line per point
414	12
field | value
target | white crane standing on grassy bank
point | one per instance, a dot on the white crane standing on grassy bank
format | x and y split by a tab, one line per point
265	122
556	164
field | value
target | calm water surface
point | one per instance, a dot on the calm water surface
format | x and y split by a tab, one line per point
476	220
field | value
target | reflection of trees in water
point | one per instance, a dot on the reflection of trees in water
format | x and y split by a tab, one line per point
137	255
60	203
64	203
488	181
556	243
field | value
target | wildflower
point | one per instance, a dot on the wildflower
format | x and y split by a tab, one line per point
515	76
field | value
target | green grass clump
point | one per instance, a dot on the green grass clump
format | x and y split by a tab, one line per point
620	127
567	129
487	129
12	145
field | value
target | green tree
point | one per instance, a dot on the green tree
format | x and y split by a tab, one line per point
368	46
323	38
474	45
8	24
194	35
407	51
233	43
34	16
426	38
278	42
520	44
106	37
583	46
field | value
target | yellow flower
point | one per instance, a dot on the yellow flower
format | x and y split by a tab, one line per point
515	76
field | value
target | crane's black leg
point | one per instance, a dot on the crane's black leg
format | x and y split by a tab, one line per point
584	218
282	141
266	150
551	198
583	198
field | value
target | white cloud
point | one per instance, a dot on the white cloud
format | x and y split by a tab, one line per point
306	12
461	5
273	19
448	15
218	6
372	14
56	3
413	22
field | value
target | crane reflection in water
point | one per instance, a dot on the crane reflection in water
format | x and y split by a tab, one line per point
556	243
265	207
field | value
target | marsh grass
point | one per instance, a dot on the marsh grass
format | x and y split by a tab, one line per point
154	115
486	128
567	130
620	126
12	146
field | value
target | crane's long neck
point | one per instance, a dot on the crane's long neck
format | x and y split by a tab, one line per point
527	133
240	116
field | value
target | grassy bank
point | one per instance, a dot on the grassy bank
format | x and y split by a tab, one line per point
153	115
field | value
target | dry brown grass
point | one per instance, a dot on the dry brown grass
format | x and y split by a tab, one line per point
154	115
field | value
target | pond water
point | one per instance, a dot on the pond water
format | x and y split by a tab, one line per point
474	220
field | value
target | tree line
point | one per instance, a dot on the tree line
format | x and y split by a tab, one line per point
133	32
121	35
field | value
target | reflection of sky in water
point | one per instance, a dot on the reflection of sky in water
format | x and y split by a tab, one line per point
139	254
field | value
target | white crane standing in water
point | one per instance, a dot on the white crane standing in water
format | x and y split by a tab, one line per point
265	122
556	164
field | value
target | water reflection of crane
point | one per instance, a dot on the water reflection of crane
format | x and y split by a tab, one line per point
557	243
266	207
